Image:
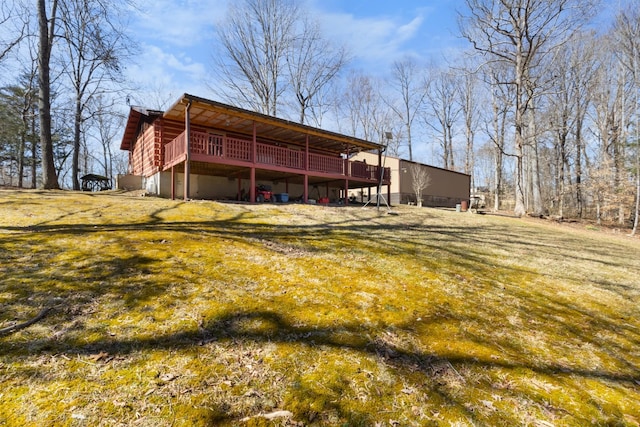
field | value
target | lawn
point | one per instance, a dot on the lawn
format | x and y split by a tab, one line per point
151	312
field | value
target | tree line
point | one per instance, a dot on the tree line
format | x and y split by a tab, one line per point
541	110
58	113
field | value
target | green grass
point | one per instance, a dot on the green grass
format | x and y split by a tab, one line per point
166	313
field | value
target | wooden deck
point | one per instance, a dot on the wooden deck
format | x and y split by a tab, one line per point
212	148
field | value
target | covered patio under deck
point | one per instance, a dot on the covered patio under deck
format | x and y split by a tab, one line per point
225	141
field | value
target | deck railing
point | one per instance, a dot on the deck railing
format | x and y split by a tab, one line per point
370	172
219	147
279	156
236	149
174	151
326	164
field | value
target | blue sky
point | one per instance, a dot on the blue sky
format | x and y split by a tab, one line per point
176	38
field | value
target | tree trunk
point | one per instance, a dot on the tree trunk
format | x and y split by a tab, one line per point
637	144
409	144
498	129
445	147
521	107
498	179
637	207
34	153
578	161
45	40
21	149
520	208
75	163
560	179
535	170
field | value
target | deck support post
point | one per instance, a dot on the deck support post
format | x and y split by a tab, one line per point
239	196
187	142
305	192
252	189
254	155
346	192
347	173
173	183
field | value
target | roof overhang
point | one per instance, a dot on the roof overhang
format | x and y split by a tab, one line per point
208	113
136	117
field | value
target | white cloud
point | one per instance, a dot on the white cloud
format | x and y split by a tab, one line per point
373	41
408	31
166	74
179	23
176	39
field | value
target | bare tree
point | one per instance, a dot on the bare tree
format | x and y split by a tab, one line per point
469	101
107	126
566	108
324	103
95	45
496	130
420	181
255	38
46	33
29	114
355	100
611	117
394	144
561	115
364	109
522	34
12	25
584	67
312	63
443	94
12	134
408	83
627	35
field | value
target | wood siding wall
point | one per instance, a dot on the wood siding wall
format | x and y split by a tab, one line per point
148	150
146	155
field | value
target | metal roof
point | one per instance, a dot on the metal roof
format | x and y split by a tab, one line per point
214	114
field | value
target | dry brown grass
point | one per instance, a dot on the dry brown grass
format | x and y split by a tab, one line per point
200	313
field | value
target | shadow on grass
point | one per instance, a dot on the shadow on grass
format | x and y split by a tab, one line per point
73	293
262	327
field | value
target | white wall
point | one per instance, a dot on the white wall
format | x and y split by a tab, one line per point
216	187
129	182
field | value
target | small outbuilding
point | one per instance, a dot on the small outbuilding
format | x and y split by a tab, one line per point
445	188
93	182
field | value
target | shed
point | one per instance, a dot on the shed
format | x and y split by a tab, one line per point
93	182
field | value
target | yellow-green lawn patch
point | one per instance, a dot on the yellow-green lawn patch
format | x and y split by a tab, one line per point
169	313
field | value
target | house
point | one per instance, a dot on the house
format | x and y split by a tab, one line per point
204	149
446	188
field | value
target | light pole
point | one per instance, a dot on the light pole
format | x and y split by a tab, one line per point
389	137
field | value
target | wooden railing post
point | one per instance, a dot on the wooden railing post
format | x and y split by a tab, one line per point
348	172
305	191
254	152
187	162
